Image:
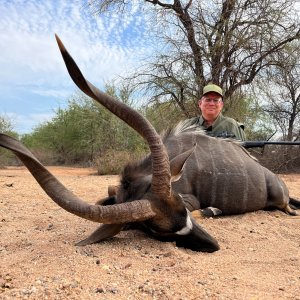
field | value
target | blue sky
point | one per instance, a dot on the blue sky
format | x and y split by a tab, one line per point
33	78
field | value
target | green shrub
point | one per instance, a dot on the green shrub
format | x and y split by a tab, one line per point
112	162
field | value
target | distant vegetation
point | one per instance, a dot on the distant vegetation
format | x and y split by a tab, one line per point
7	157
87	134
250	48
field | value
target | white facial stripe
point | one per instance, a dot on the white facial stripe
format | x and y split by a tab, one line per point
188	227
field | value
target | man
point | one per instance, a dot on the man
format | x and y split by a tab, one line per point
212	120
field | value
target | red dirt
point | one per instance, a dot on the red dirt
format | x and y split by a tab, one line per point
259	256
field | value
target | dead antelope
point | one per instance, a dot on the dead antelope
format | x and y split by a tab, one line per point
186	170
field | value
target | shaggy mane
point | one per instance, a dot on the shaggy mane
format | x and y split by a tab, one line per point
182	127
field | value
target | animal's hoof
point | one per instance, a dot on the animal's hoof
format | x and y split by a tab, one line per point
211	212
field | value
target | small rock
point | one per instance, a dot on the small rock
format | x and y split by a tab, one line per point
8	285
113	290
8	277
294	258
39	282
167	254
128	266
2	283
172	263
100	290
50	226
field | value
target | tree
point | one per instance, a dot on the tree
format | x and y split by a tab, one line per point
228	42
281	87
248	110
7	157
5	125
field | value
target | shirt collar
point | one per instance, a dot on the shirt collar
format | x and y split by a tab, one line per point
202	120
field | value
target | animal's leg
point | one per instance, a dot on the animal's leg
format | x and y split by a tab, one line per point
294	203
288	210
211	212
192	204
278	195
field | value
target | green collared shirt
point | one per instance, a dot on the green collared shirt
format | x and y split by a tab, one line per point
222	127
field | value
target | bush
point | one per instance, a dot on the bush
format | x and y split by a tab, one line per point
7	158
279	159
113	162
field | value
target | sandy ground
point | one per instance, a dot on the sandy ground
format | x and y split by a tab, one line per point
259	256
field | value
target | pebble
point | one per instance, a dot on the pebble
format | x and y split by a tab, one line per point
106	267
113	290
127	265
167	254
100	290
50	227
2	283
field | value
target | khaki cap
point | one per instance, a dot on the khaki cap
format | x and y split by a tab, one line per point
212	88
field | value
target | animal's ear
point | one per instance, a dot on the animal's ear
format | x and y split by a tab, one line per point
112	190
177	163
103	232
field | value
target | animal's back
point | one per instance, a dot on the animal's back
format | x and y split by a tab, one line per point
220	174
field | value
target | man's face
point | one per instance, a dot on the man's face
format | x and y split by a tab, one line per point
211	105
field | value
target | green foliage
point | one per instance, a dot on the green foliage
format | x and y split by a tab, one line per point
245	109
5	125
114	161
163	115
82	134
7	157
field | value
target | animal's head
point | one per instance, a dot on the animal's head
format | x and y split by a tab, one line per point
148	199
173	221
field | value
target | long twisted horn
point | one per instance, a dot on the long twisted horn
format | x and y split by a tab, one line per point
161	175
138	210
